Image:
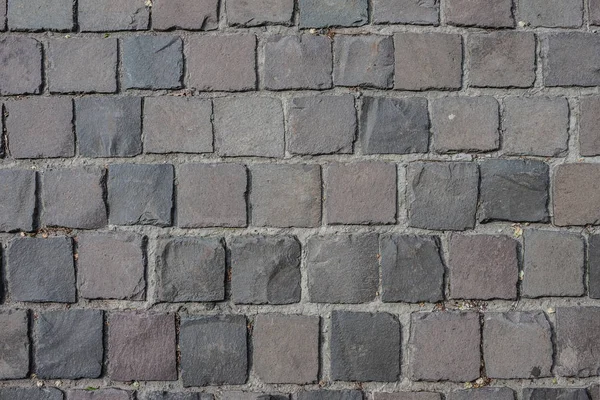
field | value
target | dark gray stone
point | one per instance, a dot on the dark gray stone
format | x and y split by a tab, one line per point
486	393
102	394
514	190
577	341
594	392
178	396
361	60
265	269
186	14
8	393
20	65
68	344
17	199
418	12
554	394
329	395
152	62
259	12
551	14
571	59
113	15
39	15
593	257
14	344
394	126
484	14
411	269
238	395
322	14
41	270
214	350
365	346
407	396
575	194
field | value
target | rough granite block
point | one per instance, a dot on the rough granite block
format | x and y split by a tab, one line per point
102	394
113	15
259	12
417	12
589	119
40	15
192	15
152	62
17	199
14	344
594	16
479	13
577	341
322	14
571	59
576	194
329	395
15	393
486	393
593	257
365	61
407	396
554	394
551	14
20	65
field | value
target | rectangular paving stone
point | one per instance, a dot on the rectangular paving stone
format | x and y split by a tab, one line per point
40	15
577	341
589	137
17	199
239	395
407	396
576	195
554	394
14	344
479	13
322	14
259	12
22	393
192	15
486	393
594	16
3	15
559	52
365	61
152	62
551	14
329	395
416	12
593	262
20	65
102	394
113	15
177	396
594	392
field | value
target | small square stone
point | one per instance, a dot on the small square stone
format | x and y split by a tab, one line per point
571	59
17	199
113	15
486	393
589	120
40	15
417	12
17	393
202	15
551	14
577	341
152	62
366	61
102	394
554	394
259	12
14	344
480	13
20	65
323	14
576	194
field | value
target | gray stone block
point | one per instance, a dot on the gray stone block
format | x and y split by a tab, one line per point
17	199
17	393
322	14
551	14
589	137
418	12
40	15
577	341
192	15
259	12
486	393
570	59
113	15
554	394
14	344
366	61
178	396
407	396
152	62
593	257
20	65
102	394
480	13
329	395
576	195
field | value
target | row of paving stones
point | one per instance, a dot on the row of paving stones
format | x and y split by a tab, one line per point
405	61
213	350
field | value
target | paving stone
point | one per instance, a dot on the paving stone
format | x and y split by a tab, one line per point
246	126
465	124
113	15
192	15
239	395
40	127
537	126
17	199
589	136
41	270
554	394
593	257
351	188
553	264
20	65
109	126
265	269
3	15
329	395
141	346
231	64
552	14
577	341
517	345
285	195
514	190
444	346
211	195
102	394
576	195
308	115
594	15
177	125
394	126
366	61
74	198
39	15
14	344
297	62
152	62
502	59
322	14
190	269
594	392
559	52
102	257
259	12
286	348
82	65
412	270
178	396
214	350
416	12
480	13
18	393
407	396
68	344
483	267
442	195
486	393
365	346
342	268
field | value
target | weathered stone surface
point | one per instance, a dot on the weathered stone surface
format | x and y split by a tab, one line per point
407	396
321	14
259	12
68	344
444	346
480	13
571	59
17	199
286	348
14	344
517	345
593	257
102	394
141	346
190	269
214	350
113	15
554	394
329	395
102	257
553	264
365	346
41	270
594	392
178	396
20	65
514	190
366	61
265	270
152	62
412	270
486	393
342	268
589	120
185	14
576	195
417	12
465	124
577	341
239	395
39	15
14	393
394	126
552	14
442	195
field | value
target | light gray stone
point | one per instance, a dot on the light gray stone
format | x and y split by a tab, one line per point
14	344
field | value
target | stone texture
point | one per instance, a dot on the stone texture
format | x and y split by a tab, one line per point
14	344
594	16
113	15
308	115
329	395
366	61
322	14
416	12
407	396
365	346
479	13
517	345
82	65
554	394
68	344
104	256
571	59
141	346
502	59
553	264
190	269
17	199
40	15
575	194
486	393
178	396
412	270
360	193
18	393
483	267
342	268
152	62
466	124
246	126
552	14
442	195
102	394
185	14
225	63
286	348
394	126
577	341
211	195
259	12
589	136
537	126
297	62
593	257
239	395
213	350
514	190
594	392
444	346
40	270
20	65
